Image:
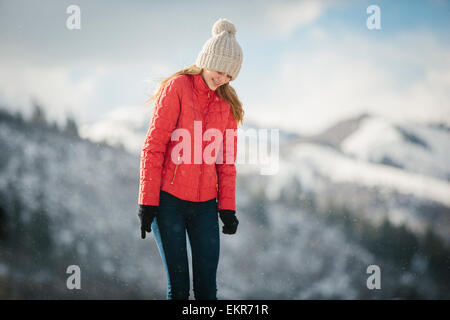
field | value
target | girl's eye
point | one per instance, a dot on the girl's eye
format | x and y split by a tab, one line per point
223	73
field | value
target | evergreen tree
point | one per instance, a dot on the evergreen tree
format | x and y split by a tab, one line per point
38	116
71	128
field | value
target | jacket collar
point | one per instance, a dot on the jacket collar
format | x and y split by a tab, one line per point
201	87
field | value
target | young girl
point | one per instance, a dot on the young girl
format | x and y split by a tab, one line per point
181	191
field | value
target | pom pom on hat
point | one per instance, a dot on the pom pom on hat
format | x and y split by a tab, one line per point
223	25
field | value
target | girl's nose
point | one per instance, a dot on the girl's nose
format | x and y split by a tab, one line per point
223	78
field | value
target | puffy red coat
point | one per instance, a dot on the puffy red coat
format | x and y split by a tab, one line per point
183	100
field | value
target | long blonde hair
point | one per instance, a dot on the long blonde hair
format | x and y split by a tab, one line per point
226	92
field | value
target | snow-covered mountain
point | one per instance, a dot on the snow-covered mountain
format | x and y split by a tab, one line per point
419	148
355	153
414	147
308	231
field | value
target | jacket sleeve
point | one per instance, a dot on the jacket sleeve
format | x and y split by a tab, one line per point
164	120
226	171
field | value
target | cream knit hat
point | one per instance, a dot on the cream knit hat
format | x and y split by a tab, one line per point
222	52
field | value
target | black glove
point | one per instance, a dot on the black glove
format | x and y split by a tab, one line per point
230	222
146	215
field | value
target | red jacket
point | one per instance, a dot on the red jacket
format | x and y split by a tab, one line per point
183	100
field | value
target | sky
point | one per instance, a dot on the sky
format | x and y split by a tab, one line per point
307	64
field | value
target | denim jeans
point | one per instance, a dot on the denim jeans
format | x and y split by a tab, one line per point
199	220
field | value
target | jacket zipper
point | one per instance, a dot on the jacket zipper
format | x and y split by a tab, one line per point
201	171
176	167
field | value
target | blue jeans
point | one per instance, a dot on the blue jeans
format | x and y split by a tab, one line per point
199	220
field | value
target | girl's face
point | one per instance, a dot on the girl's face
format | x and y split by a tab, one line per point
215	79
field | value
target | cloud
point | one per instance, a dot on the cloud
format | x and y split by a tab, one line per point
124	125
403	77
85	91
285	17
53	87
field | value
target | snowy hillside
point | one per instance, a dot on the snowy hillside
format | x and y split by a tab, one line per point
309	231
385	159
417	148
413	147
84	195
390	193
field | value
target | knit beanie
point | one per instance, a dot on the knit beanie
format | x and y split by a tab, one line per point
222	52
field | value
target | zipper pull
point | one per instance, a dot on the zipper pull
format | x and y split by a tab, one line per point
176	167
